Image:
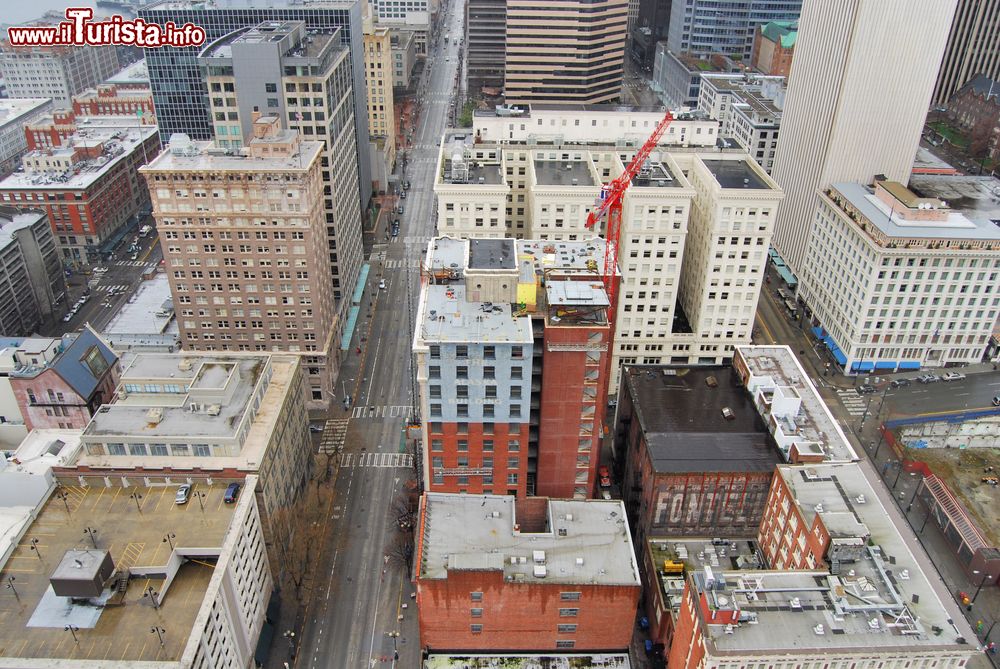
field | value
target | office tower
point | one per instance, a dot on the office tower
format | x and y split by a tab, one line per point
244	244
485	42
14	116
303	77
381	115
564	50
57	72
511	348
703	28
748	107
652	17
973	47
848	117
413	16
179	90
31	279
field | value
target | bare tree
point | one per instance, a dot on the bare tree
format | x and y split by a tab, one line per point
981	142
400	551
404	507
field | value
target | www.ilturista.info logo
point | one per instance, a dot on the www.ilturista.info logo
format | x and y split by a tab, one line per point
79	30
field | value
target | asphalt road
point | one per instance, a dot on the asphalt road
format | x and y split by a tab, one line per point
360	601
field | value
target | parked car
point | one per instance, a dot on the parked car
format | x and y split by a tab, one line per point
232	492
899	383
929	378
315	428
605	476
68	317
402	196
381	284
953	376
183	494
865	389
996	400
406	185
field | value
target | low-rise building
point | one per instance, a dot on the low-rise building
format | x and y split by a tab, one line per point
677	76
897	279
14	116
116	100
32	284
839	581
975	109
695	457
61	383
774	47
748	108
85	177
404	56
152	583
526	574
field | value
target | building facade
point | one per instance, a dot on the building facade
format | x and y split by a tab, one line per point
677	76
896	281
485	43
32	284
303	77
86	179
236	288
116	100
652	18
535	575
836	78
774	47
975	109
972	47
748	108
513	380
567	51
14	116
180	94
381	114
404	57
61	383
56	72
704	28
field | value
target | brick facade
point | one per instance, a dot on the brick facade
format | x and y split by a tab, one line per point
975	109
787	541
462	459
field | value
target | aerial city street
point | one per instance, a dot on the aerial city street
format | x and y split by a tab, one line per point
481	334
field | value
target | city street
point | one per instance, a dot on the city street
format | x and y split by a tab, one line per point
362	611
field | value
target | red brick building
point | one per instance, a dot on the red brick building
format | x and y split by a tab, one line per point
695	455
975	109
116	100
524	574
60	383
512	359
774	47
86	180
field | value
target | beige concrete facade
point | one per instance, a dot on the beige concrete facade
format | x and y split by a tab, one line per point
378	81
244	242
565	50
972	47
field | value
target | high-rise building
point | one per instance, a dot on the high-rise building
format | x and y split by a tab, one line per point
511	346
564	50
749	108
179	91
411	15
303	77
32	283
244	244
647	27
381	114
972	47
703	28
485	42
57	72
841	96
14	116
873	248
696	221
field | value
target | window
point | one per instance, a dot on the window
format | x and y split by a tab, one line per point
476	596
478	613
565	644
462	372
565	628
476	629
569	596
116	449
202	450
569	613
490	372
158	449
490	352
437	445
435	372
463	445
516	373
435	392
461	351
435	352
517	352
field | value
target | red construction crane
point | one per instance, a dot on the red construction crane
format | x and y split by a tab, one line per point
612	195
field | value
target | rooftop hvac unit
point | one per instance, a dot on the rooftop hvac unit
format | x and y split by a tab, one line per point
214	410
538	557
539	571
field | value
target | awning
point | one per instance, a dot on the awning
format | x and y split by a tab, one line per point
886	364
862	366
359	289
785	275
818	331
352	321
839	355
909	364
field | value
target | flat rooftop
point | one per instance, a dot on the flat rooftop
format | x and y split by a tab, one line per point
563	173
583	255
492	254
202	161
680	411
14	110
449	317
777	366
135	74
130	416
655	175
561	661
958	225
694	553
12	220
447	253
119	143
479	172
477	532
143	312
735	174
134	537
978	197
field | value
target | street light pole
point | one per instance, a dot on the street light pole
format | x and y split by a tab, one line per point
93	534
159	632
168	538
152	594
136	497
34	547
10	586
73	629
65	500
979	587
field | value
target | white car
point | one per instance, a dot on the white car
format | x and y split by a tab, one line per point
381	284
953	376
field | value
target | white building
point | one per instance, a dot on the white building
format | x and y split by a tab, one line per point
14	115
858	92
898	281
57	72
695	231
748	108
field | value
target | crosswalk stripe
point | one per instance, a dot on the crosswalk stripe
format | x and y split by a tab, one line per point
377	460
380	411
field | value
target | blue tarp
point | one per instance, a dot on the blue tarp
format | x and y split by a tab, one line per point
359	290
909	365
352	321
863	366
885	365
785	275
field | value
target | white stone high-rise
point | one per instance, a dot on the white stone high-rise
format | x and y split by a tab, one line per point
858	92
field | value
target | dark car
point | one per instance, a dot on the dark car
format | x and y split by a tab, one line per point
232	492
899	383
865	389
